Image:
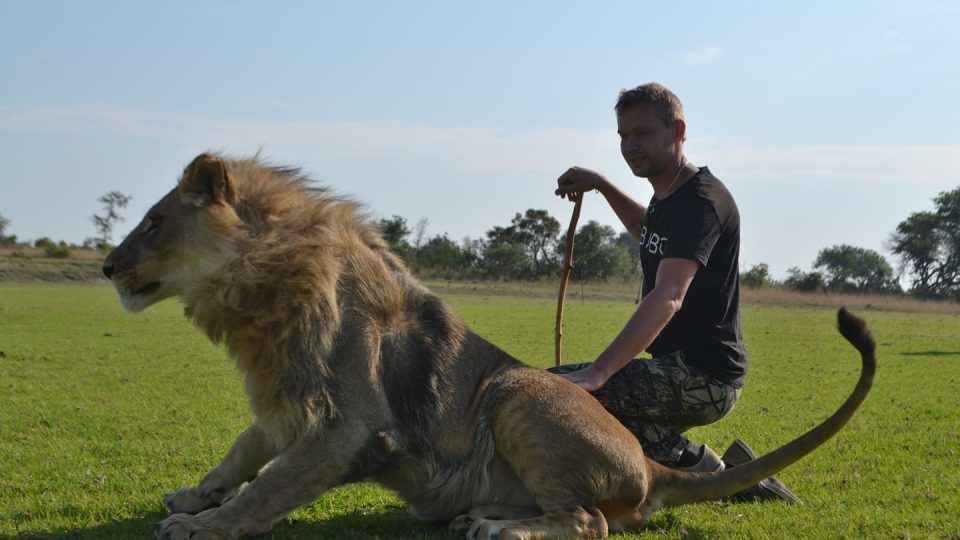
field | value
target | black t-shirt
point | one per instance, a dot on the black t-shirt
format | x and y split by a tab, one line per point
700	222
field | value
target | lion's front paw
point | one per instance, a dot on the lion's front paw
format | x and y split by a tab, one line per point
190	500
460	525
187	527
486	529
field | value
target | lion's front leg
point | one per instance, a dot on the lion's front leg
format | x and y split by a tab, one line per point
249	453
462	524
579	522
297	476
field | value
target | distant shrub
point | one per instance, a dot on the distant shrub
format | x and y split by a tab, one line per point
54	250
59	251
44	243
756	277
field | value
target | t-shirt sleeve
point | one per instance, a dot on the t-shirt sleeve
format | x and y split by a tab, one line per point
694	234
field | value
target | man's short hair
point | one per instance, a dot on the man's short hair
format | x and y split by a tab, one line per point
666	104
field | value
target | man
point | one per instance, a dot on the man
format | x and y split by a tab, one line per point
689	319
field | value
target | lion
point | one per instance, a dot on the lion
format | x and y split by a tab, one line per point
355	371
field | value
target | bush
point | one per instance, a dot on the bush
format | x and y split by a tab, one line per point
756	277
57	251
54	250
798	280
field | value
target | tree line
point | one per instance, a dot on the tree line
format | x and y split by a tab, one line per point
926	247
111	202
529	248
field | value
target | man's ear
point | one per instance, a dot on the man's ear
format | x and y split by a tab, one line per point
679	130
206	177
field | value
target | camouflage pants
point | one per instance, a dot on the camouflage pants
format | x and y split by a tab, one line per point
660	398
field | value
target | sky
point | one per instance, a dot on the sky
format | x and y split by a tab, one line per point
830	122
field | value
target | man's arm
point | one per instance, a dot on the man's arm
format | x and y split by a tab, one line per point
653	314
578	180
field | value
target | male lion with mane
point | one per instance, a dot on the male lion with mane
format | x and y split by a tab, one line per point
356	371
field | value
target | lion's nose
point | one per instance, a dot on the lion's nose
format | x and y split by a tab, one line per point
108	270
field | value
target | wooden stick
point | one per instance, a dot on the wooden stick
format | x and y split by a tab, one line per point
565	277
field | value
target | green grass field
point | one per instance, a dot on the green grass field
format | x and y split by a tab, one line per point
101	413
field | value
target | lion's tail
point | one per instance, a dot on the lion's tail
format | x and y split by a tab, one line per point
681	488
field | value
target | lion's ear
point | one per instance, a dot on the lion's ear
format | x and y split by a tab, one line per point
206	176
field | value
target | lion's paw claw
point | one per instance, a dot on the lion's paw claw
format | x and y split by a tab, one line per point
186	527
188	500
460	525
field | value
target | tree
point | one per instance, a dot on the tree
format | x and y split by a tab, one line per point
916	243
112	202
798	280
472	252
440	253
756	277
505	256
395	232
537	231
420	233
505	260
598	255
633	245
56	250
4	239
928	245
855	270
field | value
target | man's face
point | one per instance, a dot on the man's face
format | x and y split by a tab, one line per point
647	144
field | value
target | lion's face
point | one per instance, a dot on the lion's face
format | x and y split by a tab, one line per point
184	238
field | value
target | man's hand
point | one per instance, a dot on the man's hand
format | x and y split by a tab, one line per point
589	378
576	181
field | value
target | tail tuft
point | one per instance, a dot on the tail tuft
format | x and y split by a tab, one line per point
855	330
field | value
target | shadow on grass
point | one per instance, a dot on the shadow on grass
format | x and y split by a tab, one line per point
358	526
931	353
395	524
139	527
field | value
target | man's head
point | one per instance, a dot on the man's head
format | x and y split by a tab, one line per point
652	130
664	102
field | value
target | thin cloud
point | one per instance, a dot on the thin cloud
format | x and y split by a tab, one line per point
485	150
946	7
910	165
466	148
894	43
701	56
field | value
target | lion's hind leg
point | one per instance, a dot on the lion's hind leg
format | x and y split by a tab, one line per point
580	522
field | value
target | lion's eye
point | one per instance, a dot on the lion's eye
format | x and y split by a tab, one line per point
153	222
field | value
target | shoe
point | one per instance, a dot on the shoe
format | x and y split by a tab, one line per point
768	489
708	461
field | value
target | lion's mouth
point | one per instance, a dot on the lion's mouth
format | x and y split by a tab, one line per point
148	289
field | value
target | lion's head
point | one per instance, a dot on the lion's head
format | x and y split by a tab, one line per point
187	236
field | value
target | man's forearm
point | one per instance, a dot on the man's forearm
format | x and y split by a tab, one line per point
630	212
647	322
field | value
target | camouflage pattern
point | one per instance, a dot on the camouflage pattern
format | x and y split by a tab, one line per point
658	399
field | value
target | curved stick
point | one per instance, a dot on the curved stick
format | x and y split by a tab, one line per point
565	276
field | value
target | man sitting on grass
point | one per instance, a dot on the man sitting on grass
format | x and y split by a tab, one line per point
689	319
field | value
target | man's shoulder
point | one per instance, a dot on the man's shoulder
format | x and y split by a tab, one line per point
711	191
